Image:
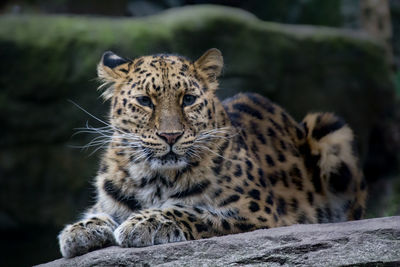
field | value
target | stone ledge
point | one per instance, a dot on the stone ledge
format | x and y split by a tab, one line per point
365	242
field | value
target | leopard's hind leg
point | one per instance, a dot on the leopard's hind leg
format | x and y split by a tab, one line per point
334	164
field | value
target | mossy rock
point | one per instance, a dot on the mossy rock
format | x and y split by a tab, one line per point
47	60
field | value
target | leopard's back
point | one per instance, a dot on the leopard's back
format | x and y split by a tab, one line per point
310	175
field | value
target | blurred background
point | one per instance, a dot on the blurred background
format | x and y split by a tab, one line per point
306	55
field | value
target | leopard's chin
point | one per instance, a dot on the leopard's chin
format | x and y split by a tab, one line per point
170	161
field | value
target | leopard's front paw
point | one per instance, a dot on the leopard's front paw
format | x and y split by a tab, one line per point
140	231
86	235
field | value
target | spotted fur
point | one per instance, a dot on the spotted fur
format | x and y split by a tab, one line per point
181	165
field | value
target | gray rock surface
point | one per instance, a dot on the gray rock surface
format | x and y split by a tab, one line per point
372	242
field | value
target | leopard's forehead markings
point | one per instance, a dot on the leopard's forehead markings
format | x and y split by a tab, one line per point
159	74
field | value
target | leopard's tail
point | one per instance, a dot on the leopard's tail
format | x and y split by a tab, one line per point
332	160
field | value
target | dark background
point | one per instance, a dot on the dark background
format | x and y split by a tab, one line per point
314	56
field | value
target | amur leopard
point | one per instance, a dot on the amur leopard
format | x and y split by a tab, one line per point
181	165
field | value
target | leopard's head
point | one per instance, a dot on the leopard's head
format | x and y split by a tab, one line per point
163	107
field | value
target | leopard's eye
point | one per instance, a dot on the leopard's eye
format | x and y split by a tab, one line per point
144	101
188	100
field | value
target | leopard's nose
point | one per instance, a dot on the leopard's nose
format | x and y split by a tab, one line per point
170	138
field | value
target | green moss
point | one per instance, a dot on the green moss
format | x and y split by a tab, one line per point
393	204
384	198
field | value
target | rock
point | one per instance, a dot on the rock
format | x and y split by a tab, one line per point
373	242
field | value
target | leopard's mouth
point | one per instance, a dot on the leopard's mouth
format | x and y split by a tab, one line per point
170	156
170	160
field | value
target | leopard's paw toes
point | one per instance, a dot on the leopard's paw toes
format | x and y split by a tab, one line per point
147	232
84	236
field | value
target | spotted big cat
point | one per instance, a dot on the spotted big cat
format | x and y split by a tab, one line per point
182	165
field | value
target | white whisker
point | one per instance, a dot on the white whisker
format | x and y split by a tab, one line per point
107	135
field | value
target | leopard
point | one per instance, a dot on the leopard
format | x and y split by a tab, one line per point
180	165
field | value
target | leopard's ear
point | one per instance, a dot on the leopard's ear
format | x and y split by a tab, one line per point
210	63
111	68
